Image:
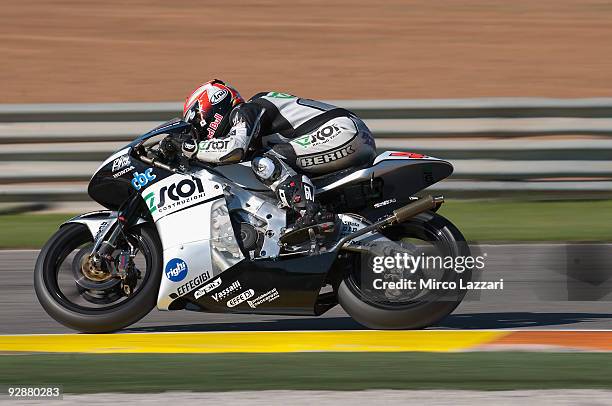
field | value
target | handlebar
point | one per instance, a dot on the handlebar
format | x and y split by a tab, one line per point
153	162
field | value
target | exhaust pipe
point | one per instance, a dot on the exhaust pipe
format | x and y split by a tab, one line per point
399	216
416	207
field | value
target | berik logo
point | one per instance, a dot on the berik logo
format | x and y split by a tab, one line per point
328	157
175	195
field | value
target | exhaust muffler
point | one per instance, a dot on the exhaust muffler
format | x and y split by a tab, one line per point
399	216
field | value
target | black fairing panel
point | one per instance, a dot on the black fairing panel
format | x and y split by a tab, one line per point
404	182
395	181
298	282
111	192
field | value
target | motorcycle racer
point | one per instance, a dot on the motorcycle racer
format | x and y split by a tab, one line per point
288	139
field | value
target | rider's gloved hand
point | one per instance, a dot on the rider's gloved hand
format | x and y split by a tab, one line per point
189	148
168	147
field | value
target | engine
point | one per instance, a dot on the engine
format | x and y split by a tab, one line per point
249	232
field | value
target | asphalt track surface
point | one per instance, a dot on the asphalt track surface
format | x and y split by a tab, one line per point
356	398
546	286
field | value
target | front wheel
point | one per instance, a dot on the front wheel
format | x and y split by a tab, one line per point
100	305
407	309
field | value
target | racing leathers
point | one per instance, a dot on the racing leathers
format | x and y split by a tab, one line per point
289	139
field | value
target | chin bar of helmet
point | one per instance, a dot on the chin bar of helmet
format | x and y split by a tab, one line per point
399	216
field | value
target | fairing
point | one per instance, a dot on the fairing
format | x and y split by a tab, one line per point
111	184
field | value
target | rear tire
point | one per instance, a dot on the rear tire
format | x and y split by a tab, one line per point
418	315
96	320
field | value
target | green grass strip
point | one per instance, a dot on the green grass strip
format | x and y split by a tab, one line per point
531	221
29	230
82	373
478	220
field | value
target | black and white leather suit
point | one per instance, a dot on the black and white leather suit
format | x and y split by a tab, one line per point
289	139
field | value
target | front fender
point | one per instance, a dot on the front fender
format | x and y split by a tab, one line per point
97	221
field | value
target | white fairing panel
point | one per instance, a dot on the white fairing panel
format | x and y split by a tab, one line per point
97	221
193	223
242	175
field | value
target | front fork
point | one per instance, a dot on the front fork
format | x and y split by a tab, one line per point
127	216
98	264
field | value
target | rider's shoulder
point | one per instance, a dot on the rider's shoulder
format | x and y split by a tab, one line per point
271	96
258	96
247	112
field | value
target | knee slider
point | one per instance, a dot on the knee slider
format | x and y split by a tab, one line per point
266	169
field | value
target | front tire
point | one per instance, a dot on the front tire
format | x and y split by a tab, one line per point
419	314
97	318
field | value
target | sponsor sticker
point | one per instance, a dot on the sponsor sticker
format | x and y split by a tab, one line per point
192	284
214	145
102	227
322	136
142	179
412	155
384	203
175	195
235	301
123	172
176	270
121	162
327	157
212	127
218	95
227	291
209	287
279	95
349	227
189	146
267	297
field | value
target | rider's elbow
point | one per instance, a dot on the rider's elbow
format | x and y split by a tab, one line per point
234	156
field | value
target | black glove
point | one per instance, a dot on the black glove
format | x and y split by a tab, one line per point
189	148
169	147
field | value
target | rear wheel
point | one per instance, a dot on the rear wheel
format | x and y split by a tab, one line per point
427	233
78	299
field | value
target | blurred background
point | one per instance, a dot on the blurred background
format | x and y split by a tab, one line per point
115	51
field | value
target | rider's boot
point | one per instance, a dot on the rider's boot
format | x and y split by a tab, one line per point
297	193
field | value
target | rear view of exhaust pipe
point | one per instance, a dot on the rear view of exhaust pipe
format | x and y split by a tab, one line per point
399	216
418	206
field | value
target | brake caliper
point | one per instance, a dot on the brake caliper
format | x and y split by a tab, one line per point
128	273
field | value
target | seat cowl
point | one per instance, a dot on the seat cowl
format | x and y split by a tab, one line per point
403	174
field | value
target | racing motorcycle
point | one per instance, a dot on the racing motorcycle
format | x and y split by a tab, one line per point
209	238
